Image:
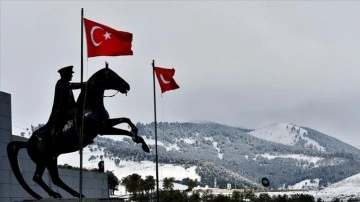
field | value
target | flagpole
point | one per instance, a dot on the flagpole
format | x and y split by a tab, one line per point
82	111
156	149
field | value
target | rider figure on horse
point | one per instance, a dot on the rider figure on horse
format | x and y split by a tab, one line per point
64	108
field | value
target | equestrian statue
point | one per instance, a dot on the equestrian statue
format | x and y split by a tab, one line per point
87	117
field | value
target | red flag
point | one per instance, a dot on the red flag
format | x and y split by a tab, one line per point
165	78
105	41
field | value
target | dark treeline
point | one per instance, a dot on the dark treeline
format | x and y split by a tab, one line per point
143	190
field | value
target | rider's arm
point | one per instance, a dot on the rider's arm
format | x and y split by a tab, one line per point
77	85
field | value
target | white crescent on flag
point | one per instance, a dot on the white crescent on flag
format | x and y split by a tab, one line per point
163	79
92	35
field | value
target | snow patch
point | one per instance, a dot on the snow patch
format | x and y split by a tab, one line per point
215	145
188	140
316	161
308	184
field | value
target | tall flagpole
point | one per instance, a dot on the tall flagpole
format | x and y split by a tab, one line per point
156	149
82	111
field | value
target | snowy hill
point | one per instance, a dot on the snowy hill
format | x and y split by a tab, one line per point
286	134
345	189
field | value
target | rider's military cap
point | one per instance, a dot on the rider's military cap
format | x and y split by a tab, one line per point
66	70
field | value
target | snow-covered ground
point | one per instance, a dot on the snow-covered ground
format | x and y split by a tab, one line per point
306	185
125	168
345	189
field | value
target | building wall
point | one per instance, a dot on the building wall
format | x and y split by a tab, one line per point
5	131
94	184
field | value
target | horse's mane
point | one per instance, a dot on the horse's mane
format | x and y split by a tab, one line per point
96	76
99	74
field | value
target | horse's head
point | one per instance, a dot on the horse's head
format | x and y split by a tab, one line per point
109	80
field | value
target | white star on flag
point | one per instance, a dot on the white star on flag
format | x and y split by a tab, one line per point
107	35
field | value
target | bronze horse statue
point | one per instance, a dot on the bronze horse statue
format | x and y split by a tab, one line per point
44	146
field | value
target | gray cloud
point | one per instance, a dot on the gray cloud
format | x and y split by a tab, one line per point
240	63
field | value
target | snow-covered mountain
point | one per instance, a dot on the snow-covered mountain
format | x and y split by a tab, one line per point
304	137
290	156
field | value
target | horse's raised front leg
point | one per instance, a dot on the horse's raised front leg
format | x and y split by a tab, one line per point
109	123
135	137
38	179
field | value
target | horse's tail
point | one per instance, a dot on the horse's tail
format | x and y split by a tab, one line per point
13	150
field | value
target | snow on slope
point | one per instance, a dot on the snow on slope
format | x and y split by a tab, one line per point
285	134
216	146
306	184
125	168
310	160
345	189
175	147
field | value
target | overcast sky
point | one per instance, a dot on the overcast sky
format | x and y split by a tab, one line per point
238	63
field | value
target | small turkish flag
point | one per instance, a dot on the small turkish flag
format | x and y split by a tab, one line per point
165	79
106	41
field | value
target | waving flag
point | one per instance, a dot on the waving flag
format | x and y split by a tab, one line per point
165	79
105	41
